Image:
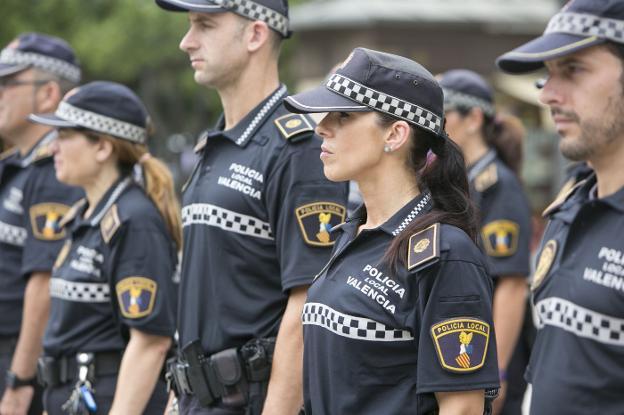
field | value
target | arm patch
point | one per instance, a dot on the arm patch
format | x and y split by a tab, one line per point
291	125
500	238
110	224
424	246
317	220
136	296
461	343
45	219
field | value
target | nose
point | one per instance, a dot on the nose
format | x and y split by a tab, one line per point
323	128
188	42
551	93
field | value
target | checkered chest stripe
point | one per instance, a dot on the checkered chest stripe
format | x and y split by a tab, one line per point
454	99
228	220
12	235
385	103
345	325
580	321
256	11
101	123
56	66
586	25
82	292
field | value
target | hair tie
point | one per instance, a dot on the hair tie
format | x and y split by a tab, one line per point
144	158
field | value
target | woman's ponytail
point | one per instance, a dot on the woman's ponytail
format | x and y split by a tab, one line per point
505	134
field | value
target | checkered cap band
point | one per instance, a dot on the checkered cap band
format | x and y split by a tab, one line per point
12	235
83	292
211	215
101	123
353	327
256	11
10	56
587	25
580	321
385	103
454	99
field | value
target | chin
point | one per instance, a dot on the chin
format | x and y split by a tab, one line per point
335	176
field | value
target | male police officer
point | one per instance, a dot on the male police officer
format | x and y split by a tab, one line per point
35	71
577	365
256	216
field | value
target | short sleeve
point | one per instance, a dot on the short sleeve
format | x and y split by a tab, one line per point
456	342
45	202
143	272
506	232
303	207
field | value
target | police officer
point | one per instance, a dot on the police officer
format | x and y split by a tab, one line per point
35	71
256	218
577	362
400	319
112	285
492	147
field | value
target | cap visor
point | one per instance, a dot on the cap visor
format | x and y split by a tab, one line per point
321	99
6	69
201	6
531	56
52	120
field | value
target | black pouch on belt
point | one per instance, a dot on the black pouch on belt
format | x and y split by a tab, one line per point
228	369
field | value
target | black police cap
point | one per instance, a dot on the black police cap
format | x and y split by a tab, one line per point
48	53
579	25
101	106
273	12
466	89
376	81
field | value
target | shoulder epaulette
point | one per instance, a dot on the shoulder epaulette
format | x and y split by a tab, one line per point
110	223
566	191
293	125
43	152
8	153
424	247
72	212
487	178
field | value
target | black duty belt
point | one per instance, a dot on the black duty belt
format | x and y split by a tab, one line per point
225	375
53	371
7	345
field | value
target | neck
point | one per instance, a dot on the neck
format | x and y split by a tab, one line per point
96	189
253	85
385	194
31	136
609	170
474	149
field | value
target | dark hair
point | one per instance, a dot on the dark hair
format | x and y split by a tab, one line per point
504	133
445	177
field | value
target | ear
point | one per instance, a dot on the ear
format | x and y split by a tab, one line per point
48	97
258	33
398	135
474	121
104	151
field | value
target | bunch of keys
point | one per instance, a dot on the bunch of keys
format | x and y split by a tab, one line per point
82	401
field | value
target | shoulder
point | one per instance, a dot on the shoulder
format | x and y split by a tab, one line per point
497	177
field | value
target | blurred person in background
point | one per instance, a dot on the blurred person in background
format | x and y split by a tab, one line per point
577	362
492	146
35	72
112	317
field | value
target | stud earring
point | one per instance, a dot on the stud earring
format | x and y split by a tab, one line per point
387	149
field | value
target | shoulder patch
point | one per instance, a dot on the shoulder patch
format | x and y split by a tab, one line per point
45	221
546	259
423	246
110	223
72	212
136	296
316	220
291	125
566	191
500	238
487	178
461	343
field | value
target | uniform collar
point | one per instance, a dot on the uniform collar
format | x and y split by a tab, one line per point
479	165
400	220
247	127
587	193
110	197
35	152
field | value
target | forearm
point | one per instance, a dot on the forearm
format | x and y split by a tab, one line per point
140	368
461	403
285	393
508	309
34	319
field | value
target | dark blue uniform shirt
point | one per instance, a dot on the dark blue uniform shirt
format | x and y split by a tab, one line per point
256	217
382	342
114	272
32	203
577	365
505	216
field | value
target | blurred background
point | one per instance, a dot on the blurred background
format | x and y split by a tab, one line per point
136	43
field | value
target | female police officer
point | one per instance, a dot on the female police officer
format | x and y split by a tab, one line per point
399	321
112	289
492	147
